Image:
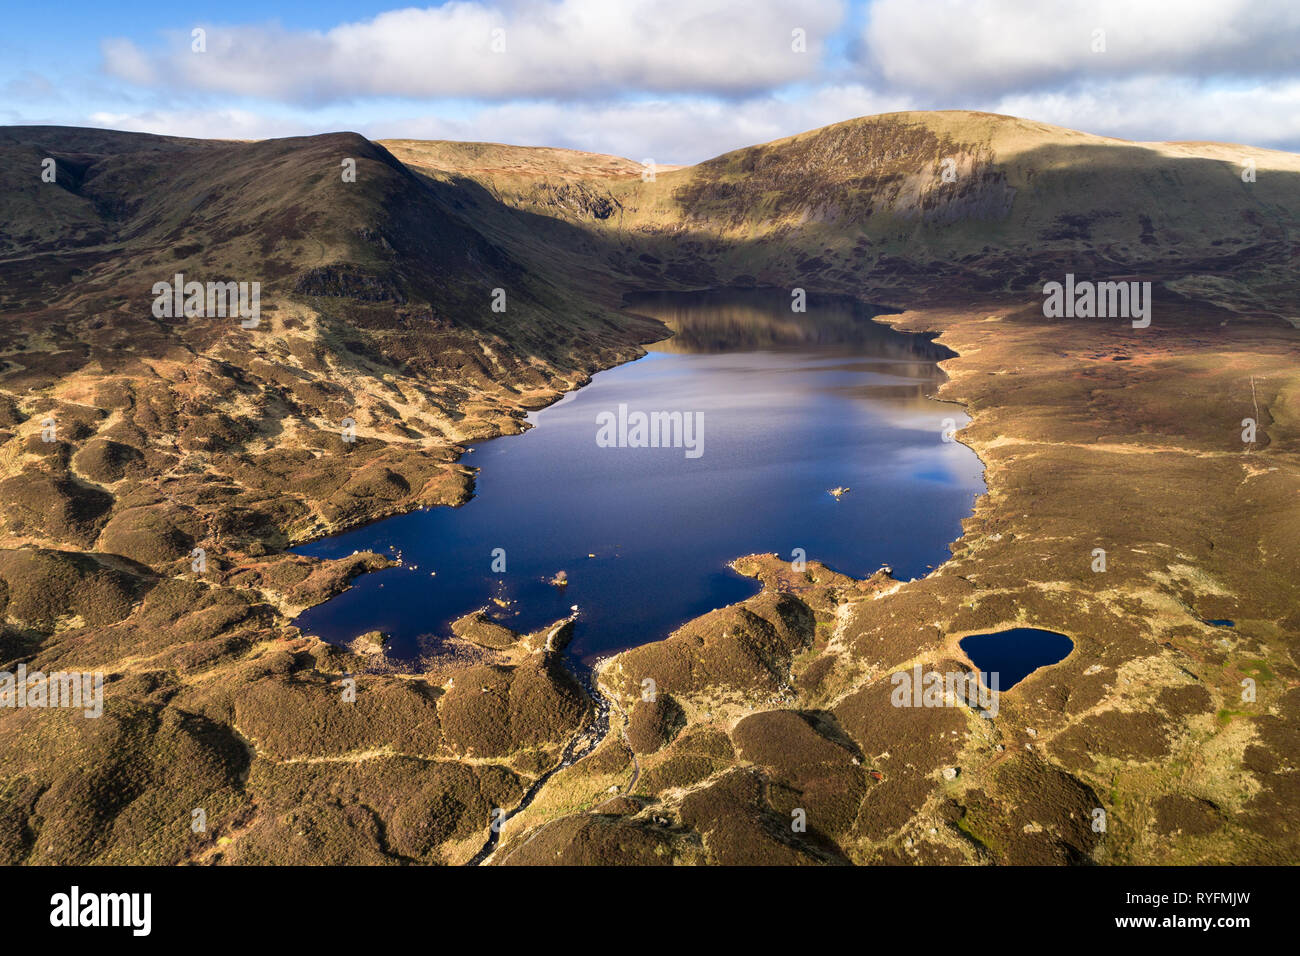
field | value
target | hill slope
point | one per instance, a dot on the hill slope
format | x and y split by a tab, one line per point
865	205
128	441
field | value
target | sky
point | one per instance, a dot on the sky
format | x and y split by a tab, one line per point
672	81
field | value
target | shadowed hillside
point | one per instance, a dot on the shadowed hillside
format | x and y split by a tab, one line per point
153	469
864	205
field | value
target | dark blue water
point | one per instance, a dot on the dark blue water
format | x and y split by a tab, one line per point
792	406
1016	653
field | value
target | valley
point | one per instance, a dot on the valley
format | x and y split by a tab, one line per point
179	434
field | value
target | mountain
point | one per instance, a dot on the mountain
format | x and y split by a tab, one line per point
867	203
378	299
155	467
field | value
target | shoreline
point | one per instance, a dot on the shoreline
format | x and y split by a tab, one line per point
999	561
559	397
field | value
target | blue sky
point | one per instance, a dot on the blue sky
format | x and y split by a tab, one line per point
672	80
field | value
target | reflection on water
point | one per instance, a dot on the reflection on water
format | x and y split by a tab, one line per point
792	405
737	320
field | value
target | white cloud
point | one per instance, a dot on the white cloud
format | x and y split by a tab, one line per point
693	129
1169	108
667	131
986	47
123	60
204	124
683	80
575	48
